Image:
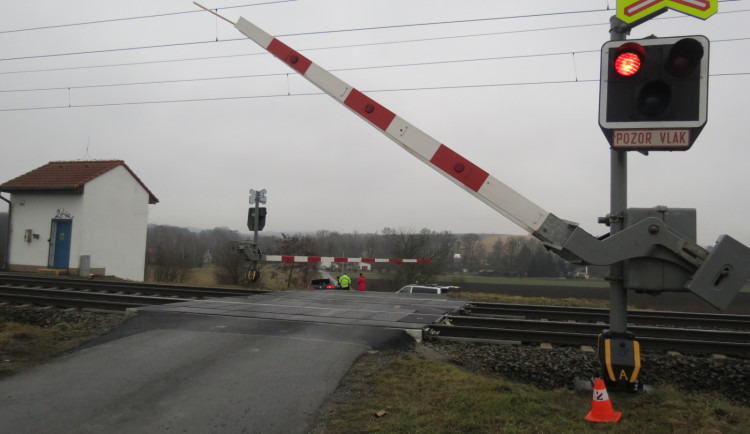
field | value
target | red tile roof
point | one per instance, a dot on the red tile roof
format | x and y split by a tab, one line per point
67	176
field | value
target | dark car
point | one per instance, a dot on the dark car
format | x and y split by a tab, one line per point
323	284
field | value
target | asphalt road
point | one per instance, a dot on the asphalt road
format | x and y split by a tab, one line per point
165	372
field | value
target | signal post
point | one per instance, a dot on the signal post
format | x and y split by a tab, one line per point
653	97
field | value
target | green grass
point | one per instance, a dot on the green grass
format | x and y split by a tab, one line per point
458	278
428	396
516	299
538	281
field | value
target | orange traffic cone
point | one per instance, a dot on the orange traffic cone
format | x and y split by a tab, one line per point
601	407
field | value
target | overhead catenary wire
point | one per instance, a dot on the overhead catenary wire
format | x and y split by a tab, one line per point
307	94
353	68
330	47
167	14
333	31
139	17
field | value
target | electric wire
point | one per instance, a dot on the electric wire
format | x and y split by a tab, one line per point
333	31
140	17
304	94
354	68
288	35
311	49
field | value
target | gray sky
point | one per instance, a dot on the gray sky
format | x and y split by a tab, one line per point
200	142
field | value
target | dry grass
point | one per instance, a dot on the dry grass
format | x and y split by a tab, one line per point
515	299
430	396
23	346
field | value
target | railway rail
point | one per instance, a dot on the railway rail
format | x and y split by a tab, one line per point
492	322
708	333
640	317
98	294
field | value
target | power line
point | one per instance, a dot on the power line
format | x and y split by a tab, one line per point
353	68
326	48
320	48
279	74
231	98
147	62
167	14
140	17
302	50
178	44
322	31
287	95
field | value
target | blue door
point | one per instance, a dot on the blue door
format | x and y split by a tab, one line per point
60	243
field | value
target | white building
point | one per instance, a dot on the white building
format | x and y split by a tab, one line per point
79	216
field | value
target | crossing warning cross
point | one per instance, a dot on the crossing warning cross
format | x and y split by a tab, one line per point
633	10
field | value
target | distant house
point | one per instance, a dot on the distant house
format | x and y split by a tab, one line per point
81	217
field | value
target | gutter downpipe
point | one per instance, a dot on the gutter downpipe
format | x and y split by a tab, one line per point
4	266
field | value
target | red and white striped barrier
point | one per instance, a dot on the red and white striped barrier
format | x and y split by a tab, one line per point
444	160
327	259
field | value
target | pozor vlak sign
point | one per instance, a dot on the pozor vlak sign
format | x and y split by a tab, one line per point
654	92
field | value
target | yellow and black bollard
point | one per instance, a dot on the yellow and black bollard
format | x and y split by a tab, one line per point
620	358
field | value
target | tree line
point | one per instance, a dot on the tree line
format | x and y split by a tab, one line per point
172	251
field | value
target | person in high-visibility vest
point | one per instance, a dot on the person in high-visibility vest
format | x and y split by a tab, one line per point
345	281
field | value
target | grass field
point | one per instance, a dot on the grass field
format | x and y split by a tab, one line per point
414	395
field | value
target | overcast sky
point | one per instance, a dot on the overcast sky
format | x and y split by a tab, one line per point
202	114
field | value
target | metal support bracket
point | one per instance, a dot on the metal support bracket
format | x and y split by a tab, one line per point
723	273
717	276
250	251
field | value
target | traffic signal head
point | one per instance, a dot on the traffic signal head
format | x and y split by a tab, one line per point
657	87
261	218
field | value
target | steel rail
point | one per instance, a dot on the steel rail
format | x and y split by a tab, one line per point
131	287
450	332
80	299
643	317
591	328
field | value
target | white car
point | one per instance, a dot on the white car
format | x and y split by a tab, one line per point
423	289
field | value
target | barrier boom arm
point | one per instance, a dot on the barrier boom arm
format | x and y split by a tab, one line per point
563	237
458	169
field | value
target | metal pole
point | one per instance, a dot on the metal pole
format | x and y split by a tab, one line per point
618	202
256	217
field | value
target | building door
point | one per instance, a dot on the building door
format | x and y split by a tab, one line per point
59	248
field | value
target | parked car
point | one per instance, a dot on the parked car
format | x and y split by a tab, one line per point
323	284
425	289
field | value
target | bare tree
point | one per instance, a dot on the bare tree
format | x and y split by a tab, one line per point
405	243
231	269
166	257
302	245
472	251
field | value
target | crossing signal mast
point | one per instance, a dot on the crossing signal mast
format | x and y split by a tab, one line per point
649	87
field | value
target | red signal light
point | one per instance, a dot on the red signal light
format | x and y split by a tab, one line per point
627	64
629	59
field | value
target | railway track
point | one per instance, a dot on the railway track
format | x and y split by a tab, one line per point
492	322
107	295
640	317
707	333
